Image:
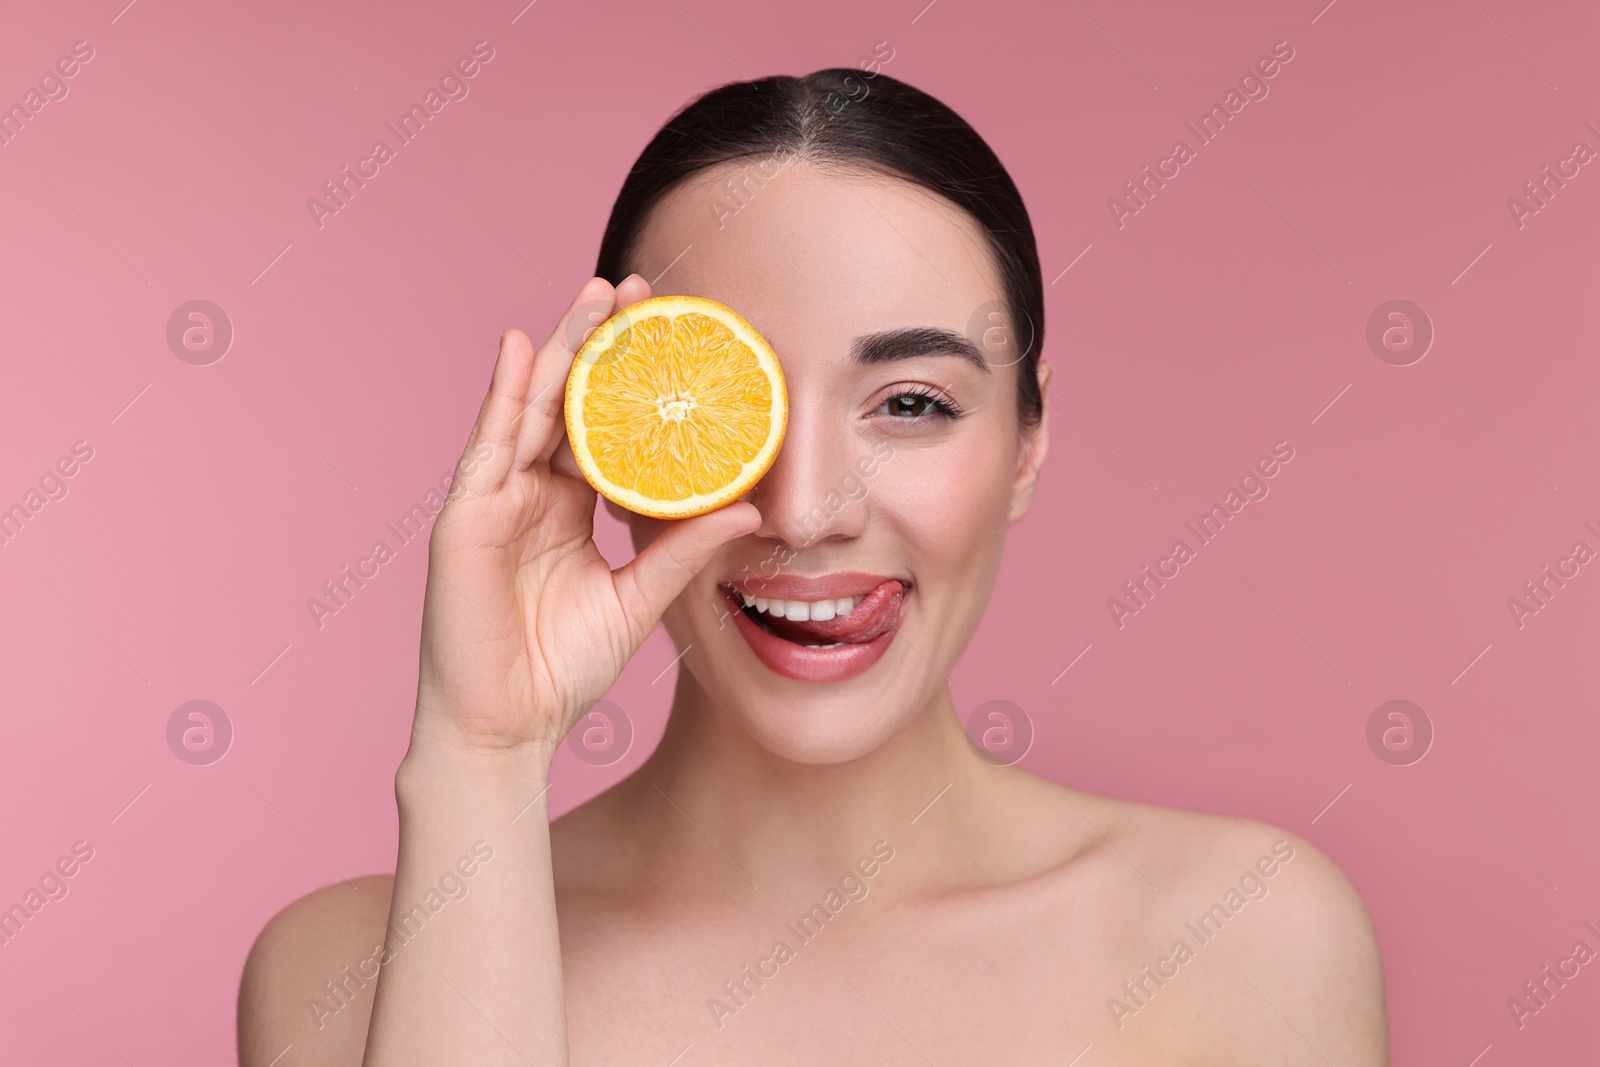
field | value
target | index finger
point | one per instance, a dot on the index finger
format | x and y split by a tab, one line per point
542	424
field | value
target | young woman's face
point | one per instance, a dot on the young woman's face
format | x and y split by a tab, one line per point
902	465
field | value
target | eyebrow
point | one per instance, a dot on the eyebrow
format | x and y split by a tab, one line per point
889	345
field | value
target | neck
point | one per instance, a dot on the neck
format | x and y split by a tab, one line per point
782	821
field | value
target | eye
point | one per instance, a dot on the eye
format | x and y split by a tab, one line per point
916	403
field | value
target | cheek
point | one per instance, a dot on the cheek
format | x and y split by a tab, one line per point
947	502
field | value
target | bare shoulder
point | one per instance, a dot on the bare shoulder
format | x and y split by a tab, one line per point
309	979
1292	945
1188	846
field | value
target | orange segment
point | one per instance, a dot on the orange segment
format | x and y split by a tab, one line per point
675	406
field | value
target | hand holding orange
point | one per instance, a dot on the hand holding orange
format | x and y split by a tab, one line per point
675	406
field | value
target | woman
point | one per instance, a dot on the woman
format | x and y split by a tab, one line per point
814	865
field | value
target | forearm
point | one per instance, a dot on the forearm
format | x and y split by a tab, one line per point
477	979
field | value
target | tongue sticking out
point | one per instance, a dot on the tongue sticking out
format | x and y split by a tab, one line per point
871	618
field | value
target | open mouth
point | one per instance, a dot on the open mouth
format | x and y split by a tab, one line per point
829	639
828	623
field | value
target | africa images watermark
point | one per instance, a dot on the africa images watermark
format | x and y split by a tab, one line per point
1252	87
1253	486
52	886
1538	192
409	526
1537	592
739	191
1252	886
1539	992
53	486
342	991
852	886
53	87
453	87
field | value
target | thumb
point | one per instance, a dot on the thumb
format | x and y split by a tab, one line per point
650	582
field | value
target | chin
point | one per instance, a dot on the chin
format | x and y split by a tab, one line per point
822	693
803	723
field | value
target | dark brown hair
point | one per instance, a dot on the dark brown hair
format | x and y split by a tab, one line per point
848	117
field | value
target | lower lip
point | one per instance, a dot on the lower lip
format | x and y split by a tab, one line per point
803	663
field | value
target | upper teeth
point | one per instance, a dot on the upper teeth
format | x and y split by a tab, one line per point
802	610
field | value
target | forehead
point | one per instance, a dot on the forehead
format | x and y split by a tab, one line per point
819	255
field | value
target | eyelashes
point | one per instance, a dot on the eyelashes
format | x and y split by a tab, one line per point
913	403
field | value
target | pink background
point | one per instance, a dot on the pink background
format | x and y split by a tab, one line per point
1225	316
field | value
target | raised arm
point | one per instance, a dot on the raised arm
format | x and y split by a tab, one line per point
525	625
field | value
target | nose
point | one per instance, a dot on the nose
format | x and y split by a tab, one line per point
812	491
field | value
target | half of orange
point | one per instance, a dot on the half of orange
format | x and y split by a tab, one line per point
675	406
